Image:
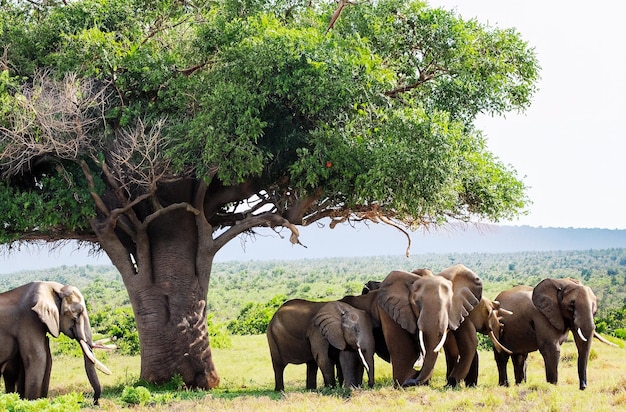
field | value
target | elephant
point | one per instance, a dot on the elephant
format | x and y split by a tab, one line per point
288	342
542	319
27	313
461	345
414	311
418	310
288	338
339	326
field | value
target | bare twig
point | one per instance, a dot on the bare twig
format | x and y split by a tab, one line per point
52	118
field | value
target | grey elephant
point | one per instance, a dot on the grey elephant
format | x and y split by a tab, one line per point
461	345
288	342
339	327
541	320
27	313
417	310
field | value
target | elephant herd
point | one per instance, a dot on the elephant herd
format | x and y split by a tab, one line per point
407	318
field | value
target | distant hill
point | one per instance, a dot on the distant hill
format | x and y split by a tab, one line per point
363	240
380	240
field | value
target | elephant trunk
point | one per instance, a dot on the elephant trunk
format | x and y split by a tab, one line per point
82	331
90	370
430	344
583	336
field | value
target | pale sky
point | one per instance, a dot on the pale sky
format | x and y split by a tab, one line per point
569	145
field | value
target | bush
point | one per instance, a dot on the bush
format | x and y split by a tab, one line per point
218	333
64	345
139	395
254	317
120	326
65	403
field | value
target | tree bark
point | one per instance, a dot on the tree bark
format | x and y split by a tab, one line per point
165	259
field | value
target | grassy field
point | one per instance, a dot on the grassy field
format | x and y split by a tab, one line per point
247	381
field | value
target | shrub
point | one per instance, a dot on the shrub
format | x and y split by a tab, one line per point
120	326
254	317
65	403
64	345
139	395
218	333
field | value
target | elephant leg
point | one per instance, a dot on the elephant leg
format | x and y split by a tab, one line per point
333	353
340	378
520	364
36	360
327	367
402	349
451	350
471	379
551	355
502	358
279	371
46	377
467	343
311	375
13	375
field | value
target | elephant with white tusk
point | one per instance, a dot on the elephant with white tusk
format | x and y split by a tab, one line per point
340	327
27	313
541	320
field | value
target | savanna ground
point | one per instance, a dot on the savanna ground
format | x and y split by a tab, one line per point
247	382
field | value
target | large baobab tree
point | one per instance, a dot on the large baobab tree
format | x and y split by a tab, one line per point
162	130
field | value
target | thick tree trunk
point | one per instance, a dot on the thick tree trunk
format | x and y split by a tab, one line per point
165	258
160	238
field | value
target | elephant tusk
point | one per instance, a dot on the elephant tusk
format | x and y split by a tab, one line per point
443	340
580	333
102	368
367	368
99	365
505	311
603	340
499	347
421	336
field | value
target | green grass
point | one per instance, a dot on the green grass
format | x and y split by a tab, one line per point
247	381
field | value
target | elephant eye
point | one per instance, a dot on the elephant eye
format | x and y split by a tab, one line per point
572	306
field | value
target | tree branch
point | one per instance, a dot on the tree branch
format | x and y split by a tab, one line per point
267	219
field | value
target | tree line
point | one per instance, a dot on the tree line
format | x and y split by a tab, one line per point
245	294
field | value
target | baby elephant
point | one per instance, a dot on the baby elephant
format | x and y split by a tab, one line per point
296	332
339	327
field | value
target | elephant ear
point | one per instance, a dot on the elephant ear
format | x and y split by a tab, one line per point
328	321
394	298
467	290
546	297
46	308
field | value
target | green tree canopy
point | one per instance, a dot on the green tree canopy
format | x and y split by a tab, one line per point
161	130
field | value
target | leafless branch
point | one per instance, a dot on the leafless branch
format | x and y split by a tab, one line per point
136	159
52	118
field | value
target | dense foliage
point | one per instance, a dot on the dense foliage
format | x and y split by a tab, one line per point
230	90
